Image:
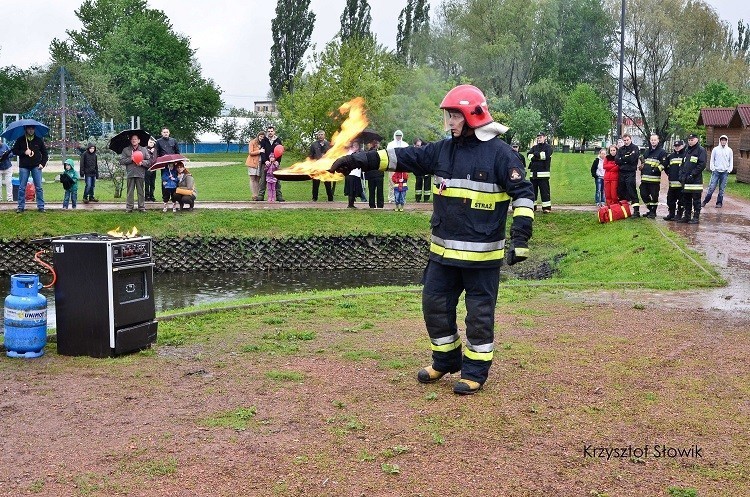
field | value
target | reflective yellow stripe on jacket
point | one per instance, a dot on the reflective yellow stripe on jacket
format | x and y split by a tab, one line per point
467	251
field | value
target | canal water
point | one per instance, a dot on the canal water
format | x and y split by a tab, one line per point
177	290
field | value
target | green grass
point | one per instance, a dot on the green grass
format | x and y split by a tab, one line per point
221	223
237	419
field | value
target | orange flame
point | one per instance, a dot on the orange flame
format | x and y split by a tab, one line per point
350	129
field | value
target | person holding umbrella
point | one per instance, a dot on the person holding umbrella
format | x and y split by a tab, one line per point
6	173
136	160
32	157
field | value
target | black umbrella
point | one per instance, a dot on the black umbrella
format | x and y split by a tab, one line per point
121	140
368	135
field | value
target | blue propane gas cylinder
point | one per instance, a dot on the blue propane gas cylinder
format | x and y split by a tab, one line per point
25	317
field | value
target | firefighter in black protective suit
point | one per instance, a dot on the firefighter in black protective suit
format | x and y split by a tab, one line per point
476	175
654	160
540	159
674	194
627	159
691	177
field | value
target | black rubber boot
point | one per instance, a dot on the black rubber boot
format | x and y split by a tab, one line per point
696	218
685	218
418	198
670	216
636	211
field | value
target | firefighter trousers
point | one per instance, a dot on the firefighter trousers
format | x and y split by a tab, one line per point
650	194
691	200
626	188
674	199
443	286
541	189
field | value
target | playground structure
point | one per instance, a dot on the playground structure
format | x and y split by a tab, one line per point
66	111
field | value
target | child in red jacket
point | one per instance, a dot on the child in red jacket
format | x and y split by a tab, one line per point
400	187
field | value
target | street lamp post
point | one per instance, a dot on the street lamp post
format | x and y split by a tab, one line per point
622	59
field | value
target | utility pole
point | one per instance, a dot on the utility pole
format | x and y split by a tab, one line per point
622	59
63	112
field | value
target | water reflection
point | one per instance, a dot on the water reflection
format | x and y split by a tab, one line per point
178	290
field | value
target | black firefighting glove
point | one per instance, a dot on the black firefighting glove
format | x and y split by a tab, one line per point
367	161
520	233
516	255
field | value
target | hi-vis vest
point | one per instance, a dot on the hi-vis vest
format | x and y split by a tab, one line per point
474	183
674	160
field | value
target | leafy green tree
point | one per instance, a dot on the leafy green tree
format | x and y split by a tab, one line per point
586	115
714	94
524	124
129	61
292	30
548	96
583	32
413	21
342	71
14	86
99	19
356	20
228	130
173	94
667	57
414	106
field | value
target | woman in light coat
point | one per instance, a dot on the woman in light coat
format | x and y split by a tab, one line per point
253	162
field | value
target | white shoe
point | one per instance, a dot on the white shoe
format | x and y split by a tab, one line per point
164	209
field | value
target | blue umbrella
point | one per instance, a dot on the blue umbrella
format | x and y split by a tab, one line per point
15	130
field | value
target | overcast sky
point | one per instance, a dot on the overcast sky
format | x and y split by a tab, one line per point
232	38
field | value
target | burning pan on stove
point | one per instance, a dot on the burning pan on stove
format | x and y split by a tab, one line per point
287	175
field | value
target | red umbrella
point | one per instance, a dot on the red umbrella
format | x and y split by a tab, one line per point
161	162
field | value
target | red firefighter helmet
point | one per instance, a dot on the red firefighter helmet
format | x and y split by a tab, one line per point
469	101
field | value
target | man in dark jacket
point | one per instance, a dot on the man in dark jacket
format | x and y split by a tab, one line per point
268	144
318	148
691	177
166	145
477	176
90	172
654	160
32	157
674	194
540	159
627	159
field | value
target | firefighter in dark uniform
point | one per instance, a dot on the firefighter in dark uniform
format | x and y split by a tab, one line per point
654	160
476	177
540	158
627	159
674	194
691	177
